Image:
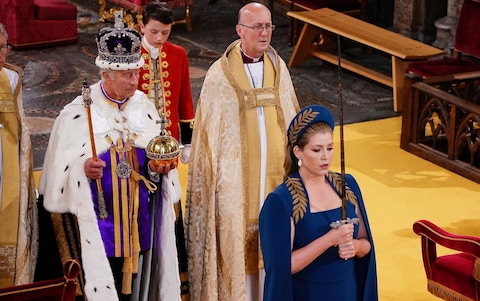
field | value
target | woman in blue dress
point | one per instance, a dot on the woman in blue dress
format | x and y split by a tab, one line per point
309	253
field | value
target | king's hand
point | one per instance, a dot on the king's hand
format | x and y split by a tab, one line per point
161	168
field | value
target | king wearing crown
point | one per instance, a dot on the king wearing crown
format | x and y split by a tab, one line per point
98	176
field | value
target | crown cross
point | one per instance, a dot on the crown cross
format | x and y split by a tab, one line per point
164	122
119	20
119	48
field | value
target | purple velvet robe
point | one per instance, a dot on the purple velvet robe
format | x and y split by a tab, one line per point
107	226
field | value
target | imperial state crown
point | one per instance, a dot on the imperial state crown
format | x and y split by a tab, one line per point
119	48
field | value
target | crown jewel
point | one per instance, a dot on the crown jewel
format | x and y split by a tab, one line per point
119	48
164	149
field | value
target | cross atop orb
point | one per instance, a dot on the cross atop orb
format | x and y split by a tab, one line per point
164	122
164	149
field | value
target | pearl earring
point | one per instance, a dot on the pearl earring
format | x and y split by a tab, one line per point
299	162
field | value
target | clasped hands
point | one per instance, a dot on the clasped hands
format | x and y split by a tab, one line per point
345	242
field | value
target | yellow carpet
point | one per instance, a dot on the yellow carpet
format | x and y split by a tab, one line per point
400	188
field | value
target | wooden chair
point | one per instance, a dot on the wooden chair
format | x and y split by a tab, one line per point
354	8
467	41
453	276
61	289
442	129
133	11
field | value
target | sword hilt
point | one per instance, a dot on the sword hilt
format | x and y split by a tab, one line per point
337	224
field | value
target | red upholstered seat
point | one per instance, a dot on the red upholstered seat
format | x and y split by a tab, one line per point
455	272
61	289
467	41
443	67
39	23
54	10
454	276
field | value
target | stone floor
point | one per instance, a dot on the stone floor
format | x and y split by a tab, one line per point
53	76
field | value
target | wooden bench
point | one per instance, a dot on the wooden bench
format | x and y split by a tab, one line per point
330	23
354	8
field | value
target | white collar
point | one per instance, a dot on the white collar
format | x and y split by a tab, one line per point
153	51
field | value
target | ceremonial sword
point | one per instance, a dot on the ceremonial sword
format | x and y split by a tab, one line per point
345	219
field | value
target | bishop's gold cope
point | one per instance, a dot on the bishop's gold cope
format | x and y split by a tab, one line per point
163	149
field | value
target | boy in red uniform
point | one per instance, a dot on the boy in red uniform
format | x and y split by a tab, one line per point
165	79
165	76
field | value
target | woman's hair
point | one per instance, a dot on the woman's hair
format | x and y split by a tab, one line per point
158	11
290	164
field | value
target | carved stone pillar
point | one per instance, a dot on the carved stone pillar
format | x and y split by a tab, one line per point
447	26
415	18
403	18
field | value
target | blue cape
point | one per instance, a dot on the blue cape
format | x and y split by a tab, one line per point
275	240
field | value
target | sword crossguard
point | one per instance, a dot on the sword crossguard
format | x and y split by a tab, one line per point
337	224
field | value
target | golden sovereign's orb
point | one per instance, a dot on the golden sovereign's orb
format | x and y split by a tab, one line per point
163	150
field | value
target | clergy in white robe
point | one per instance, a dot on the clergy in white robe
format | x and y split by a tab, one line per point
18	219
246	103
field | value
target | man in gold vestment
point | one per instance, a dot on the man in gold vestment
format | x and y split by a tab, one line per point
238	146
18	230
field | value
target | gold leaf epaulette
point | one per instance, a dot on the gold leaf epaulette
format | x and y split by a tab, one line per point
299	198
336	180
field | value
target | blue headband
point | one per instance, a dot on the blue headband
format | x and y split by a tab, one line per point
305	118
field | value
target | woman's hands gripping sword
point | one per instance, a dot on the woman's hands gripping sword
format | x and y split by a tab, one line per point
342	237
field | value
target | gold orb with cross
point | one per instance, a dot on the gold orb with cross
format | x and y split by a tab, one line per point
163	149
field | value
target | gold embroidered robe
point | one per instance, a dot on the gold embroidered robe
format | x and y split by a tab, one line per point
18	219
223	192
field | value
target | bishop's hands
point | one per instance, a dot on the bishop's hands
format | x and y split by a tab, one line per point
343	238
94	168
